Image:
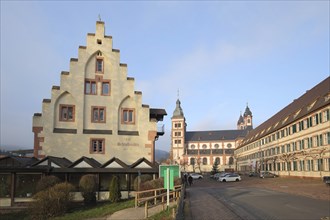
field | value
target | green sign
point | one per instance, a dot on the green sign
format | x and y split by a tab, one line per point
175	168
169	178
174	171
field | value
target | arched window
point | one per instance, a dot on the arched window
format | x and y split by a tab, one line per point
216	146
204	161
249	120
217	160
204	146
192	161
192	146
231	160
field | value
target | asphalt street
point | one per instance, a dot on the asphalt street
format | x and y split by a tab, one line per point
208	199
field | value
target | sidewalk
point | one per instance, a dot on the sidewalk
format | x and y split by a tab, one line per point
136	213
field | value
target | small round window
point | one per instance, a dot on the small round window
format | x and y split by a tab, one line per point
204	146
216	146
192	146
228	145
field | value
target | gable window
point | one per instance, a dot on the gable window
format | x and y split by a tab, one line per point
128	116
98	114
90	87
97	146
99	65
105	88
67	113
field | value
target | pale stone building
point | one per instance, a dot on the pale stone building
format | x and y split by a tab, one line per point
95	112
197	151
293	142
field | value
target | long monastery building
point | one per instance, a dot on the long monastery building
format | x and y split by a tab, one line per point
293	142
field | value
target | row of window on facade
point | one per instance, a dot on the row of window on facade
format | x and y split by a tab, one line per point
306	143
316	119
216	146
210	151
204	146
91	87
299	165
98	114
204	161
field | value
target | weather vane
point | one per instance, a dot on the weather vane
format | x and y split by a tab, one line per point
178	94
99	17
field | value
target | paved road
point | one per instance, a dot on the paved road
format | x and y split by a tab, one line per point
230	201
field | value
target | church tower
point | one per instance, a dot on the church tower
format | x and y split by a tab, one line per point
178	134
240	123
248	118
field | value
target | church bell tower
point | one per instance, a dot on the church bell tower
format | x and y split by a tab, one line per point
178	134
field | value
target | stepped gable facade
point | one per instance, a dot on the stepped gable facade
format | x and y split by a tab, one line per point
95	112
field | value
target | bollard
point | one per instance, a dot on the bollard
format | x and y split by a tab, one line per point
146	209
155	199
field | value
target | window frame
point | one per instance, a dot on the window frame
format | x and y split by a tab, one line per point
123	110
67	106
97	66
90	92
98	108
109	89
177	124
97	151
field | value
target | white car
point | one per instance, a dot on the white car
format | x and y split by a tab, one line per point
222	175
232	177
196	176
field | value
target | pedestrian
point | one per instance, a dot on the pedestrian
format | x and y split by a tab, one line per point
190	180
185	179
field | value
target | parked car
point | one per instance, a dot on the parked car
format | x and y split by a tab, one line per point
326	180
196	176
266	174
253	174
217	175
232	177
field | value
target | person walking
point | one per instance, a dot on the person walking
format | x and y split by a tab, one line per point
190	180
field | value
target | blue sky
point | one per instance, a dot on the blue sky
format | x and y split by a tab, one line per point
219	54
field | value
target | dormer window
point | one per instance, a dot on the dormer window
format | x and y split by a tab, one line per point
297	113
327	97
311	105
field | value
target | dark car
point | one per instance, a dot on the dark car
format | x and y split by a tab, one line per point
253	174
266	174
